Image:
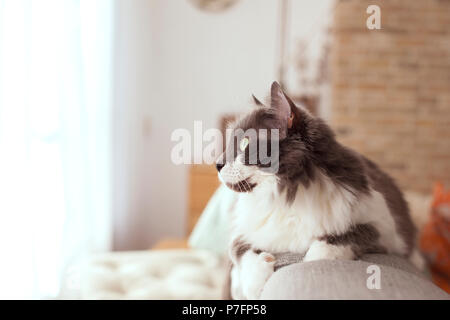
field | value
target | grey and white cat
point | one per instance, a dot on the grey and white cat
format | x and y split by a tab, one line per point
324	202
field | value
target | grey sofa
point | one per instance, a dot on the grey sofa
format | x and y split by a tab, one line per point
340	279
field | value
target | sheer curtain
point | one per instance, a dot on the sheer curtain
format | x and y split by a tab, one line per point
55	114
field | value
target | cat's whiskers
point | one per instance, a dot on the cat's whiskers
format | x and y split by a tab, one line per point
248	185
245	183
240	182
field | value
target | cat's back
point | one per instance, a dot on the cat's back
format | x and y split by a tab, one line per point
384	184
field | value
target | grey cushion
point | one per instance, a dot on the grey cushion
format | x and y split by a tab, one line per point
343	279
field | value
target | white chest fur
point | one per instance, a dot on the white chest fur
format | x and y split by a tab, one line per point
266	221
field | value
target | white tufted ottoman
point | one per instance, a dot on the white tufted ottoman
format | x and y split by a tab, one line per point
156	274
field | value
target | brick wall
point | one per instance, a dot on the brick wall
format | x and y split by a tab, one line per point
391	87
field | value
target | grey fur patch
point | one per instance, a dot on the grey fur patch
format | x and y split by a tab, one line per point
286	258
311	146
238	248
395	201
363	238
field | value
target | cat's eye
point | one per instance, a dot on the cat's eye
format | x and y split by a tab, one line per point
243	144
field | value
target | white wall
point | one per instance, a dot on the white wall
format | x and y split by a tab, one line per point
175	64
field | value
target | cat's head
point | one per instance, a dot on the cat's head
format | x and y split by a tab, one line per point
272	143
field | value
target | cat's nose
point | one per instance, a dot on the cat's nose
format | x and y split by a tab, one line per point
219	166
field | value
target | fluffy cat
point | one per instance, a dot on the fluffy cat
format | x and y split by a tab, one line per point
325	201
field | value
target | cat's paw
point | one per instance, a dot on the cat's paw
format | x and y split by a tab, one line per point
256	269
320	250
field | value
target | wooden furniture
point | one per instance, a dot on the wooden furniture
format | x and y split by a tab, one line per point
203	182
170	243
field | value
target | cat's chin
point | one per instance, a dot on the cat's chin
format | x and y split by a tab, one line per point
241	186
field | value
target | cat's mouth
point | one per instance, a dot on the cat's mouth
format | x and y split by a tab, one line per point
242	186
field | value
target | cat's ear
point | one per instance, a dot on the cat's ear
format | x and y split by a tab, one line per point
256	101
279	102
283	105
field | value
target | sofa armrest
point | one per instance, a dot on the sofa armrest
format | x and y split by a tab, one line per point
344	279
